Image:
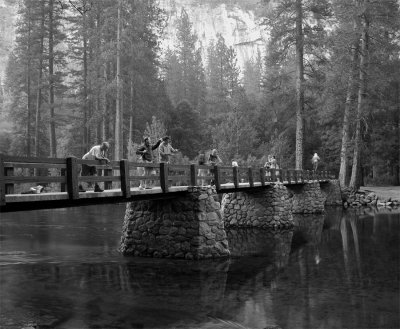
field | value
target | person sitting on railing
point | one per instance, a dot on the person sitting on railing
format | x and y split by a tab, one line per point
97	152
146	153
166	150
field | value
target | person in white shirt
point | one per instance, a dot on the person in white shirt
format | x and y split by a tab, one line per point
314	160
97	152
166	150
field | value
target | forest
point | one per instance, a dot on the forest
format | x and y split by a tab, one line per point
81	72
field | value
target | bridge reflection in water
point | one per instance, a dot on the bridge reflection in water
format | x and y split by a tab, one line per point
332	270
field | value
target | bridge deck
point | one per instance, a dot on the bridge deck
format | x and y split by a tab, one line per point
62	178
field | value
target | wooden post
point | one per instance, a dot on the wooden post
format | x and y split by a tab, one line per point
251	179
72	178
273	175
164	176
282	174
236	176
262	176
2	183
9	171
108	184
63	174
193	175
125	182
216	178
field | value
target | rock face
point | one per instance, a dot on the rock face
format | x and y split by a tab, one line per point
189	227
235	21
263	208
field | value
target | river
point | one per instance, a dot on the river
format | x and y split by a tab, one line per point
61	269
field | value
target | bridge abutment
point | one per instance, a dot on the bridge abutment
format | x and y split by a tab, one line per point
189	226
265	208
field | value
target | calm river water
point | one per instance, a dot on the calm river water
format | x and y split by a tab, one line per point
61	269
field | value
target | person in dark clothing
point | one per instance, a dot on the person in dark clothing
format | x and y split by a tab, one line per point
213	160
147	156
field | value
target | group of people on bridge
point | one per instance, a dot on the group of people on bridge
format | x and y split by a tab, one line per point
165	150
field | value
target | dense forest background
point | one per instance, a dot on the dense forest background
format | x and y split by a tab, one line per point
80	72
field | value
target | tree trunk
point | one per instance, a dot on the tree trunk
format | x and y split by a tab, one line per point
346	117
362	90
53	145
397	173
39	86
85	130
28	91
117	136
299	85
106	122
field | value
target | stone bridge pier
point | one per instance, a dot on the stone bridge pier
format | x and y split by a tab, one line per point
189	226
192	225
269	207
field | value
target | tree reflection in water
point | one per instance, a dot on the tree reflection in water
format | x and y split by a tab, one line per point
334	270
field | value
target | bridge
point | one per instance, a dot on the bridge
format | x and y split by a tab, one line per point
61	179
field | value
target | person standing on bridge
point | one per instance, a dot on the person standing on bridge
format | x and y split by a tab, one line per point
213	160
97	152
146	153
314	160
166	150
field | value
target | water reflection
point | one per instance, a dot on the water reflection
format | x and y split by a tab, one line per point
337	270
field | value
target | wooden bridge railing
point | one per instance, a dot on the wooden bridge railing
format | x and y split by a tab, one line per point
63	175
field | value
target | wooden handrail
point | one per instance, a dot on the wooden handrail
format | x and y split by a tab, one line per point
70	178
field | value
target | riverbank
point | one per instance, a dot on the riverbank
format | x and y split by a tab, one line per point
383	192
372	196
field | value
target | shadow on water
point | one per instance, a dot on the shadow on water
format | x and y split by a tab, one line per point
61	269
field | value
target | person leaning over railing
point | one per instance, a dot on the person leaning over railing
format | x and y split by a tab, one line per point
97	152
146	153
166	150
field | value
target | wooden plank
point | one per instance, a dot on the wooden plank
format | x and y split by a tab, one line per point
250	176
193	175
262	176
236	176
92	179
125	182
33	165
72	178
164	176
152	177
34	179
8	158
178	178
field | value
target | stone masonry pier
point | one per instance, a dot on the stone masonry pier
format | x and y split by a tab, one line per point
189	227
192	226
